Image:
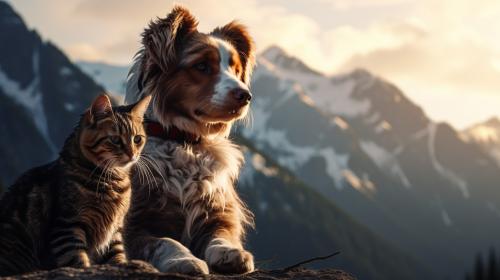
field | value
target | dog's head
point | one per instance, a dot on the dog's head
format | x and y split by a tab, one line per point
199	82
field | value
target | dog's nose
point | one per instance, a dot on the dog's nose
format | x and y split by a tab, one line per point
241	95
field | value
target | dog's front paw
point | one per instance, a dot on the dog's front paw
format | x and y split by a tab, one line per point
229	260
185	265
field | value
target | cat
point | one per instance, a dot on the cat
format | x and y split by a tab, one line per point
70	212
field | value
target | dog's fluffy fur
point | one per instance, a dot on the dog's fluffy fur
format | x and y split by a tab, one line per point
190	219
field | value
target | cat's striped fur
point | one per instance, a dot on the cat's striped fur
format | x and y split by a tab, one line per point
70	212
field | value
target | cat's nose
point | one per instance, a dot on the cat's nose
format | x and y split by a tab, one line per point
130	154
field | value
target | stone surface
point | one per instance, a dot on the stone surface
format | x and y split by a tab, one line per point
102	272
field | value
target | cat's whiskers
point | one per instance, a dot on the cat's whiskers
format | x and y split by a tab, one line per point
154	165
150	163
139	172
142	171
149	174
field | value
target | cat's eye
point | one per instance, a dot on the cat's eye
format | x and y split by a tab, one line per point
137	139
115	139
202	67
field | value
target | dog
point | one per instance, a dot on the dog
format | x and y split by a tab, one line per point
186	216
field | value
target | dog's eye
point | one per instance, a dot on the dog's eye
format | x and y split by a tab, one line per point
202	67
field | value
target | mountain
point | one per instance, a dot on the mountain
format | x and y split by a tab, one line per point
42	94
294	222
360	142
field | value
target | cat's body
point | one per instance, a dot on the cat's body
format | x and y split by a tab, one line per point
45	210
70	212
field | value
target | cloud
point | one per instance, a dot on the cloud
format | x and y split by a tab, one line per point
449	45
84	52
350	4
457	58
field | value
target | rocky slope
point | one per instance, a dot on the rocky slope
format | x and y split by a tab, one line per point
41	96
294	222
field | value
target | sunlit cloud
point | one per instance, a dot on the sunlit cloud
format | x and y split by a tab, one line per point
84	52
448	47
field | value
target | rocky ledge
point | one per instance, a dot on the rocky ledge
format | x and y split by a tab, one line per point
102	272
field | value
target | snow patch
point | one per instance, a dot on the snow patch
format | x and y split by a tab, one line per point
445	173
341	123
386	160
31	98
363	185
263	206
65	71
259	163
290	155
446	218
373	118
69	107
331	95
493	208
382	127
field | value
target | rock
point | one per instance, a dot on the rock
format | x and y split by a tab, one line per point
101	272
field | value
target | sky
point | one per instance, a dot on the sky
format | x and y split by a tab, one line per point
443	54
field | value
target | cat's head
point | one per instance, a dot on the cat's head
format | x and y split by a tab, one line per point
113	136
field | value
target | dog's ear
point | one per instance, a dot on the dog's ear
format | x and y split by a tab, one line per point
238	35
164	36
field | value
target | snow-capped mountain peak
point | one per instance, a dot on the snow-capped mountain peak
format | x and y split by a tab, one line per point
487	132
283	60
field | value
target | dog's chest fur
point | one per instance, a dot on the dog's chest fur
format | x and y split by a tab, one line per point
194	179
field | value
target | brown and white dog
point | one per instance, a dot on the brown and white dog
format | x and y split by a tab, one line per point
191	219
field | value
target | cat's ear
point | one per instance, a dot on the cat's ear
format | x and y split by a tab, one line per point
141	106
101	107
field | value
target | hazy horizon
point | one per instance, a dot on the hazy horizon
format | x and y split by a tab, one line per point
444	56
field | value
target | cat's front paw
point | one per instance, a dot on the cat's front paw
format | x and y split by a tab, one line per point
76	260
226	259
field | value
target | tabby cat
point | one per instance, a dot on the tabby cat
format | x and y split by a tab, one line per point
70	212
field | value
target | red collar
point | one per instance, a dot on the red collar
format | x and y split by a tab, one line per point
172	134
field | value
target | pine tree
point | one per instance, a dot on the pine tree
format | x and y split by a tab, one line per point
493	272
479	268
